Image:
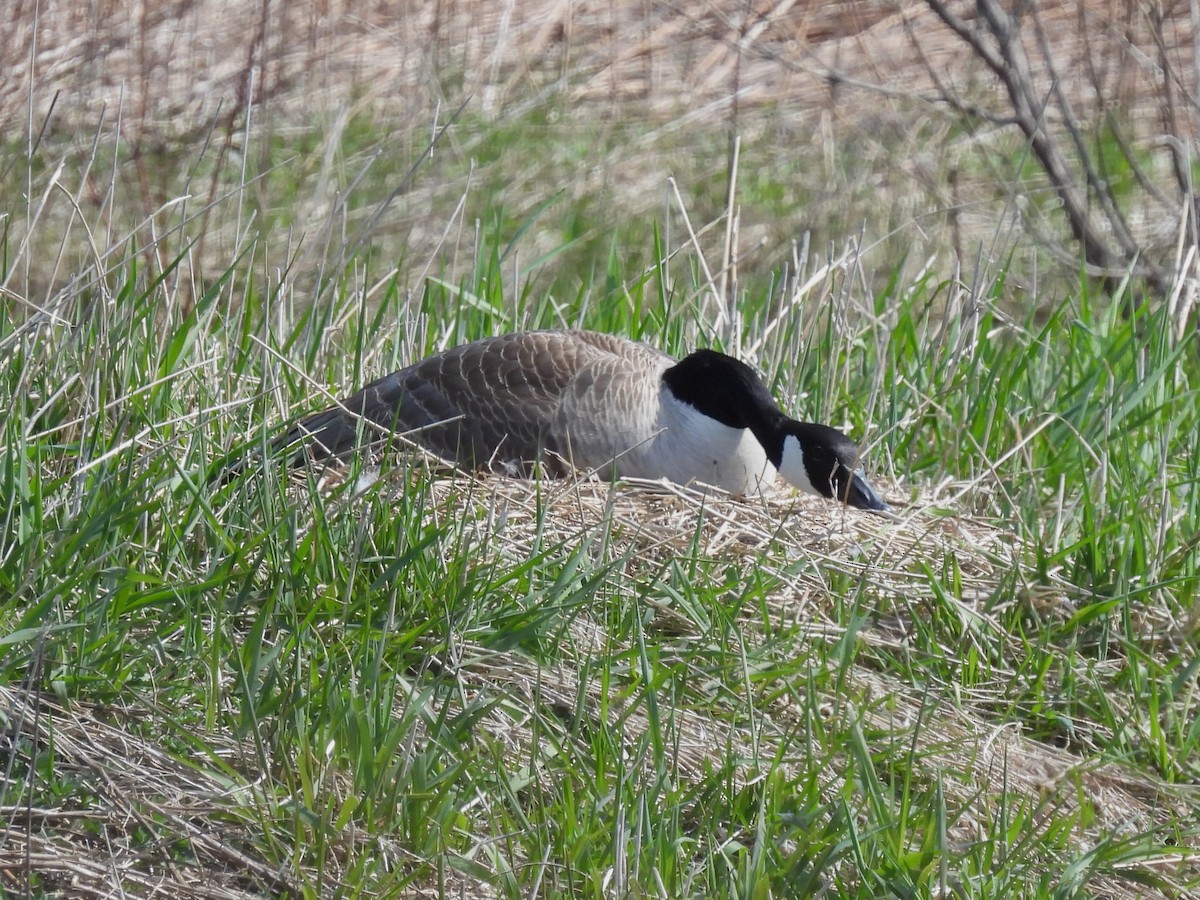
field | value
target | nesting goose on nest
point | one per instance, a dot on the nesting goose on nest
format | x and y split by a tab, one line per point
581	400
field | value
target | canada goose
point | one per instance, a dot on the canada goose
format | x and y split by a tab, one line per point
579	399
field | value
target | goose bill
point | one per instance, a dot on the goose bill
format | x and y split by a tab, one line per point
861	495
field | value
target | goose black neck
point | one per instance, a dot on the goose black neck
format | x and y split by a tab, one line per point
728	391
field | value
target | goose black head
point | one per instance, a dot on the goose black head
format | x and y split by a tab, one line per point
814	458
822	460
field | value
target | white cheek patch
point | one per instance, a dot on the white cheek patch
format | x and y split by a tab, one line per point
791	466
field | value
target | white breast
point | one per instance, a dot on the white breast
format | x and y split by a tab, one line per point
685	446
638	427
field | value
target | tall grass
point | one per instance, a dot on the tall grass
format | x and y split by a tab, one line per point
462	684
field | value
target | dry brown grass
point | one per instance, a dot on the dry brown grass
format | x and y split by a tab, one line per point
171	67
836	102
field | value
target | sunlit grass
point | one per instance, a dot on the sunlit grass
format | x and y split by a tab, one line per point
535	688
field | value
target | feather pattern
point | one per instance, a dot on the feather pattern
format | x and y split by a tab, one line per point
502	402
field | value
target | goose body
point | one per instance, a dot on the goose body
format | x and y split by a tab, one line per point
596	402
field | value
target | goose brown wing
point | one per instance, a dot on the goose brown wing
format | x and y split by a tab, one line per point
489	402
